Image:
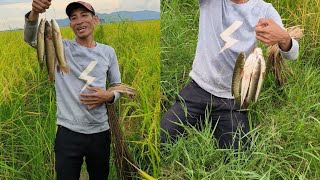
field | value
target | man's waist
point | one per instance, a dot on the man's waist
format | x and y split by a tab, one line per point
83	126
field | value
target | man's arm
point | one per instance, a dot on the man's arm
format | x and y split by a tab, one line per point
270	31
31	21
100	96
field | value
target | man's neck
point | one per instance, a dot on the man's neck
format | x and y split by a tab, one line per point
86	42
239	1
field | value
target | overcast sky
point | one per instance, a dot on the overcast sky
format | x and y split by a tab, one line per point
12	11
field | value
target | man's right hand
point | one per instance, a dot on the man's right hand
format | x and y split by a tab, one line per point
38	6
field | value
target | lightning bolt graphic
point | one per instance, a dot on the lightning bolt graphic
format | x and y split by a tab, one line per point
84	75
226	35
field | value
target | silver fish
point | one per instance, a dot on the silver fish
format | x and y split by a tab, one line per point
237	76
58	45
247	73
40	43
253	75
254	81
261	78
50	51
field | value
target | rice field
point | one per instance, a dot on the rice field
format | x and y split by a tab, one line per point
27	100
284	123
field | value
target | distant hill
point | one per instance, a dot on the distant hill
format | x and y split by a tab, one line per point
120	16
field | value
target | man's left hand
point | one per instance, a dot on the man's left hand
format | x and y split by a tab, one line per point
100	96
270	33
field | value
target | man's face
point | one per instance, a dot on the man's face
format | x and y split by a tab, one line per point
82	22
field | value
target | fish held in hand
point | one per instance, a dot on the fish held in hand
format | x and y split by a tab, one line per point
263	68
254	81
247	73
237	76
40	43
253	76
50	51
58	45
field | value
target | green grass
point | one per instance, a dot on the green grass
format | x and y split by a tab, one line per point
27	101
285	122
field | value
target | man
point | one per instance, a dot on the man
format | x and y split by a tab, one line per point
83	130
226	28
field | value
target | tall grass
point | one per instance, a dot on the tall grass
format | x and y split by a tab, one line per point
27	101
285	122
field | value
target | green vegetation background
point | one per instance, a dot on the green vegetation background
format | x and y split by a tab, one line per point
285	122
28	107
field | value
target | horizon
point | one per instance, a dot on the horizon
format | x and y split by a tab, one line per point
18	8
102	22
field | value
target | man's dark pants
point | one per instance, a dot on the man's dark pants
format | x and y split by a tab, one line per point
70	149
190	110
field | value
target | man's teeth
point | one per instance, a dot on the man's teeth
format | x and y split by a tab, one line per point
81	29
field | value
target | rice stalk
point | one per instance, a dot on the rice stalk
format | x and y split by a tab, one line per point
278	66
123	157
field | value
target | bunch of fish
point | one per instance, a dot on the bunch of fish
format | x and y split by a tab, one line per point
248	77
50	47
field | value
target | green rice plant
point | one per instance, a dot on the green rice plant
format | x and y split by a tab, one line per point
284	123
27	101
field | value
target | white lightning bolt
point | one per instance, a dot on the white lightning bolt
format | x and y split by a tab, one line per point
226	35
84	75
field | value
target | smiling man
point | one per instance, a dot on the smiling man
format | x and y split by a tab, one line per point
83	129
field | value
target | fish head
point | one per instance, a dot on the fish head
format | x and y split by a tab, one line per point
48	29
47	25
242	59
41	26
55	25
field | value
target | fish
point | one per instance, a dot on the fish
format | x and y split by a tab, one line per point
40	43
262	76
237	76
50	51
254	82
58	45
247	73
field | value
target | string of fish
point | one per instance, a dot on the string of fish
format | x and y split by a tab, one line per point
248	77
50	48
